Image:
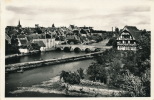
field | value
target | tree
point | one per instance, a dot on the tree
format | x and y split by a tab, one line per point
144	46
93	71
53	25
117	31
80	72
130	83
35	46
112	42
146	82
12	48
69	77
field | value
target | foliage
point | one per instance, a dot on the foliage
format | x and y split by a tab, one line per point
80	72
144	45
97	72
95	37
117	31
73	40
130	83
35	46
11	48
38	30
112	42
127	70
146	82
69	77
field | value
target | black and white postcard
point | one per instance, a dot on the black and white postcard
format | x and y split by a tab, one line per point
76	48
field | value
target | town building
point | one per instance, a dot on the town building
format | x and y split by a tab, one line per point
22	40
45	41
128	38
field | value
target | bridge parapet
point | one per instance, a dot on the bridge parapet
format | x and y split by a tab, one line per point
81	47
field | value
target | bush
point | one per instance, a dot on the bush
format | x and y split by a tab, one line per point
69	77
81	74
146	82
112	42
129	82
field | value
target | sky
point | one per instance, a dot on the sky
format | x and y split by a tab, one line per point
100	14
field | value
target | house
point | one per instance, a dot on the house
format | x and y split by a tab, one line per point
41	45
47	42
128	38
22	40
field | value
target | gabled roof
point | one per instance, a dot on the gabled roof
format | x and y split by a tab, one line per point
133	31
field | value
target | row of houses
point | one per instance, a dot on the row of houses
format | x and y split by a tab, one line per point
44	41
49	37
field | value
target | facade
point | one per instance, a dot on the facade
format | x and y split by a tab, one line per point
128	38
45	41
46	44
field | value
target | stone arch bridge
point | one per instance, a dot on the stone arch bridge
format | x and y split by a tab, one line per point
77	48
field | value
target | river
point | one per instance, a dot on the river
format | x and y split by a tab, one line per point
42	56
35	76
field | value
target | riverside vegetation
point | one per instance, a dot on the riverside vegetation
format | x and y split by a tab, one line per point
126	70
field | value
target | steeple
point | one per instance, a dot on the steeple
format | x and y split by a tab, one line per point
19	24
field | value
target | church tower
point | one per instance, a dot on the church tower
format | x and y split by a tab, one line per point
19	26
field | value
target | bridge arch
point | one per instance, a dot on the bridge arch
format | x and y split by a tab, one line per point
58	49
87	50
67	49
77	49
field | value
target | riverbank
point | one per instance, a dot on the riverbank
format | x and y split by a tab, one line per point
86	88
23	54
34	64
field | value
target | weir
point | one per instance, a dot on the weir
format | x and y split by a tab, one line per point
34	64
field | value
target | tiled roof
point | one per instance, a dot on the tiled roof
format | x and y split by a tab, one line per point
38	36
133	31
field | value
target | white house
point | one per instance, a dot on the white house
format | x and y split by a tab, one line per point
128	38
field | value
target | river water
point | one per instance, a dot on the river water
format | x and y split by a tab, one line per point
42	56
35	76
38	75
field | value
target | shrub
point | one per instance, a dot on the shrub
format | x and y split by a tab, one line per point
69	77
81	74
129	82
